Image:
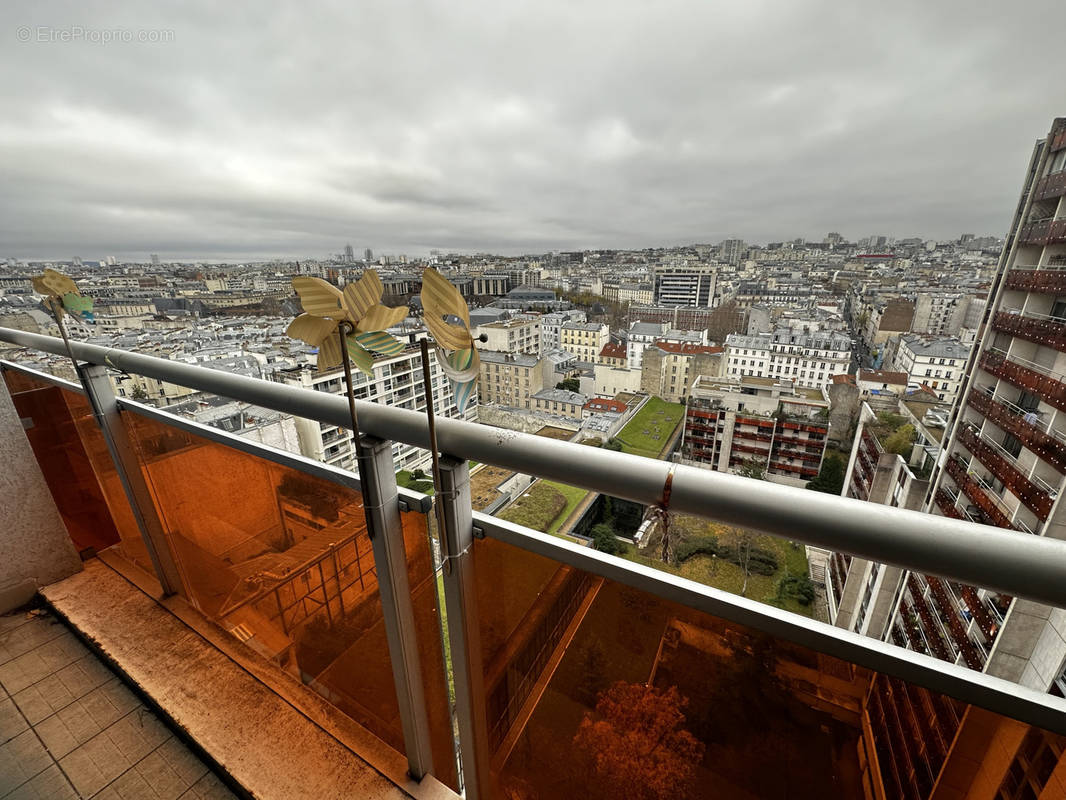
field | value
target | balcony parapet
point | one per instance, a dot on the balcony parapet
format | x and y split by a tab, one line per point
1051	186
1044	231
1021	424
930	544
1036	499
947	505
1049	332
1045	281
977	494
1047	387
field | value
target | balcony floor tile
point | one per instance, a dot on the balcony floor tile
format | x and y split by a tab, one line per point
253	733
73	730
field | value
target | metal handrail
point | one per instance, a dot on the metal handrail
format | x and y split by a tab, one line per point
1031	567
1022	469
1024	362
1017	410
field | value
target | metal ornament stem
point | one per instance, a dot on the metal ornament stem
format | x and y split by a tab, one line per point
58	314
342	331
427	391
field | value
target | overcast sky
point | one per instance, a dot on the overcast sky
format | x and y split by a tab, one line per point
514	127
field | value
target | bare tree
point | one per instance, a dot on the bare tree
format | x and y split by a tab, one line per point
743	540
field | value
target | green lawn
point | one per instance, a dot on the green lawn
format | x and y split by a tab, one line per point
544	507
573	496
724	575
408	481
538	508
649	431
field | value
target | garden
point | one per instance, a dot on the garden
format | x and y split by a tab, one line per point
649	432
735	560
545	506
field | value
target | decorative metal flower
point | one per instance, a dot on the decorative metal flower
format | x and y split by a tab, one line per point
61	294
448	319
358	308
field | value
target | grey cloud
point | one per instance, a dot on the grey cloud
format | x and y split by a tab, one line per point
515	127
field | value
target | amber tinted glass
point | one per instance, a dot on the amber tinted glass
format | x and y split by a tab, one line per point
50	416
281	559
594	689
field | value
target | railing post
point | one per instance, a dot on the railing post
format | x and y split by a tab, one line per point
382	507
101	396
460	595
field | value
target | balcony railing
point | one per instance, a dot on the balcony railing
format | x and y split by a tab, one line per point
931	626
1048	386
977	493
1044	231
947	505
1043	280
1035	498
1022	424
950	612
1052	186
1047	331
546	638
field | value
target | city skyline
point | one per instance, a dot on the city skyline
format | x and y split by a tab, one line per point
339	255
511	131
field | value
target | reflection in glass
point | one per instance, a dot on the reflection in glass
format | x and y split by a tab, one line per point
282	561
598	690
50	416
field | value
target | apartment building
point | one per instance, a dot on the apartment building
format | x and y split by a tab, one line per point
613	354
943	313
397	382
876	381
880	320
492	284
510	379
642	334
584	339
809	359
559	402
686	285
936	362
862	594
669	368
551	326
610	380
516	335
1005	461
624	293
736	422
639	336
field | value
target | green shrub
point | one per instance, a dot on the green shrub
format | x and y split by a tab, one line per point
687	548
796	587
901	442
603	539
760	561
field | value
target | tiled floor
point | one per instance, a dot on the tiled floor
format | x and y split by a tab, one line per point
69	728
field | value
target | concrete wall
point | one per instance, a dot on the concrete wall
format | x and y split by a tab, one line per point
517	419
35	548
